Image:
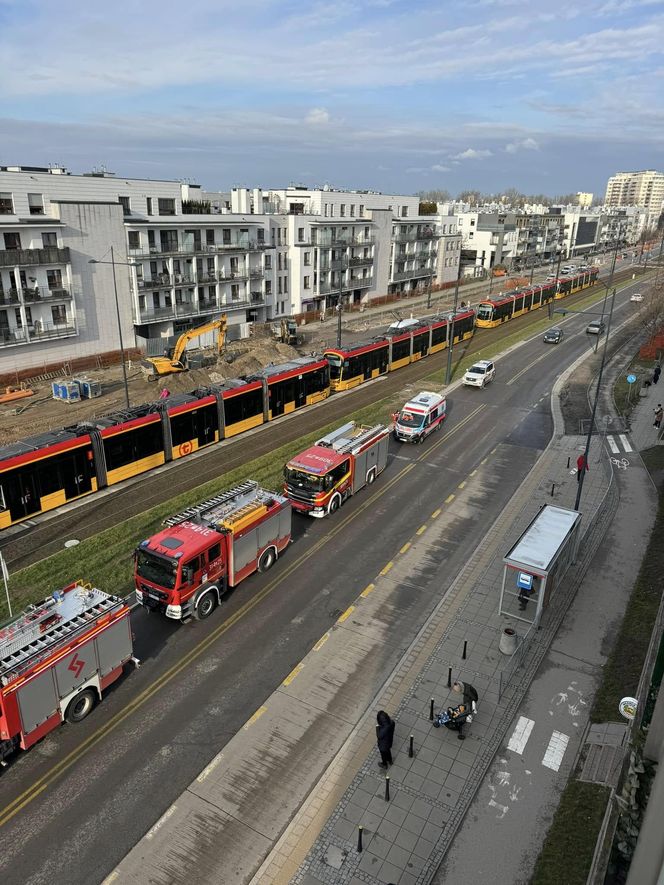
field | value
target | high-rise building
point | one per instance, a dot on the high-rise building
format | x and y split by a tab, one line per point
636	189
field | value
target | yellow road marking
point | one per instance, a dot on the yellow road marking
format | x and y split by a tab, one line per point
385	570
293	673
257	715
494	450
449	499
473	473
321	642
405	547
422	529
436	513
344	617
42	783
484	460
367	590
210	768
462	484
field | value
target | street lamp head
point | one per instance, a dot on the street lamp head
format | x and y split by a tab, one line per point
92	261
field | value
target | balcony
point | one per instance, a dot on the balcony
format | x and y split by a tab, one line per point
340	242
40	331
412	273
361	282
413	236
9	297
31	257
167	281
197	248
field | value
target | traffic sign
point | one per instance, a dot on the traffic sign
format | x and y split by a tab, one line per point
631	379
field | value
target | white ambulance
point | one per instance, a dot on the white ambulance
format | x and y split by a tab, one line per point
420	417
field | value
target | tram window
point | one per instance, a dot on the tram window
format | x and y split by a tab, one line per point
182	428
48	477
243	405
400	349
439	334
283	391
420	342
3	505
133	445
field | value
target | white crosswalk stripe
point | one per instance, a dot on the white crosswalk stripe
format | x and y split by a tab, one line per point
556	750
625	442
612	442
520	735
613	445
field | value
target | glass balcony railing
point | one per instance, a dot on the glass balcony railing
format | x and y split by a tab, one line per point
31	257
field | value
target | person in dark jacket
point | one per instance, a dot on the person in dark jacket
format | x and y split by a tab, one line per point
470	699
384	738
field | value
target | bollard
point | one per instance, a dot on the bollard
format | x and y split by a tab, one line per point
359	839
431	710
449	677
465	646
553	488
387	788
568	460
410	748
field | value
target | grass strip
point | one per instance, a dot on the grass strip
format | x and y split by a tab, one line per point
569	846
622	671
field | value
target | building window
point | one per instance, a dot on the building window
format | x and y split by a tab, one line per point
352	210
331	210
307	259
300	235
268	287
361	212
126	206
285	285
268	262
149	202
235	291
342	210
166	206
226	236
12	241
325	210
134	239
54	279
404	211
306	282
279	262
36	204
49	239
6	204
59	314
209	237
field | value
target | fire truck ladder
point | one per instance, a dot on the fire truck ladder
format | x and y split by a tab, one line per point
342	442
30	643
219	506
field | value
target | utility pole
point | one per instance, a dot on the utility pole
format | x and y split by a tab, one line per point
429	291
448	376
341	284
594	412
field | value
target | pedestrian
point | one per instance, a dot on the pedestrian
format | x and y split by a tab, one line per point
322	316
469	692
659	414
384	738
656	374
581	463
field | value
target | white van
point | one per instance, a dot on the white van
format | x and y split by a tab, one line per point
420	416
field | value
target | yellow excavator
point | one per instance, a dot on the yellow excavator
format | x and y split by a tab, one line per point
176	361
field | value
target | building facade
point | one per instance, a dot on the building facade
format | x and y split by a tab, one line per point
644	189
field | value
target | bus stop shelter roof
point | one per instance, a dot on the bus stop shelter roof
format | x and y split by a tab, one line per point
538	547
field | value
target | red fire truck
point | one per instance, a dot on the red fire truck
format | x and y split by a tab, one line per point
322	477
185	568
56	659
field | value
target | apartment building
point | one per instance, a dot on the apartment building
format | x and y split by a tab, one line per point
644	189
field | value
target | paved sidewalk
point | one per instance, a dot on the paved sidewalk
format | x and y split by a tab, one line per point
405	838
642	432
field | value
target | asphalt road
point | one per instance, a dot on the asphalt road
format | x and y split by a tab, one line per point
73	806
23	544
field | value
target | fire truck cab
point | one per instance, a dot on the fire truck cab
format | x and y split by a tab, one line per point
185	568
420	417
320	479
56	659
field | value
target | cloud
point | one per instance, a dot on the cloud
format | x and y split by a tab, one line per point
526	144
439	168
317	117
472	154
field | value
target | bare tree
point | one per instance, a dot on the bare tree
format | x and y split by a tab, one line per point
435	196
651	313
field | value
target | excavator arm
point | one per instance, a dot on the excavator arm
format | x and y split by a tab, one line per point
156	366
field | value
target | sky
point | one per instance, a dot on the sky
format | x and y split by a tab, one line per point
399	96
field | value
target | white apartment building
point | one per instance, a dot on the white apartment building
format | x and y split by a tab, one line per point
644	189
184	256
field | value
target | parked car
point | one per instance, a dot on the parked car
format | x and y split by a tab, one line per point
637	296
480	374
596	327
553	336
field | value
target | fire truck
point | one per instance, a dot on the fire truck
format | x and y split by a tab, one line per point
321	478
56	659
185	568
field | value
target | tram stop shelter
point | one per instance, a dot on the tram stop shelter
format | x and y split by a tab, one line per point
536	565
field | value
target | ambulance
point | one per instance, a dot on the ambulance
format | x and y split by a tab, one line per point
420	417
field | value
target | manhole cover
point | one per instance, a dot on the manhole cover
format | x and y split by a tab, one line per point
334	857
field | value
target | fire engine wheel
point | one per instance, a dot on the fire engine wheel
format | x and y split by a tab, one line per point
334	504
81	705
206	605
267	560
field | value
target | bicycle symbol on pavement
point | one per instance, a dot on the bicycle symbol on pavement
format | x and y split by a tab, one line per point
620	463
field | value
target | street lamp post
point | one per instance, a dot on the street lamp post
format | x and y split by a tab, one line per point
339	304
429	291
448	375
594	412
113	262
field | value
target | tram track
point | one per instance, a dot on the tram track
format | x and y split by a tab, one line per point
92	515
